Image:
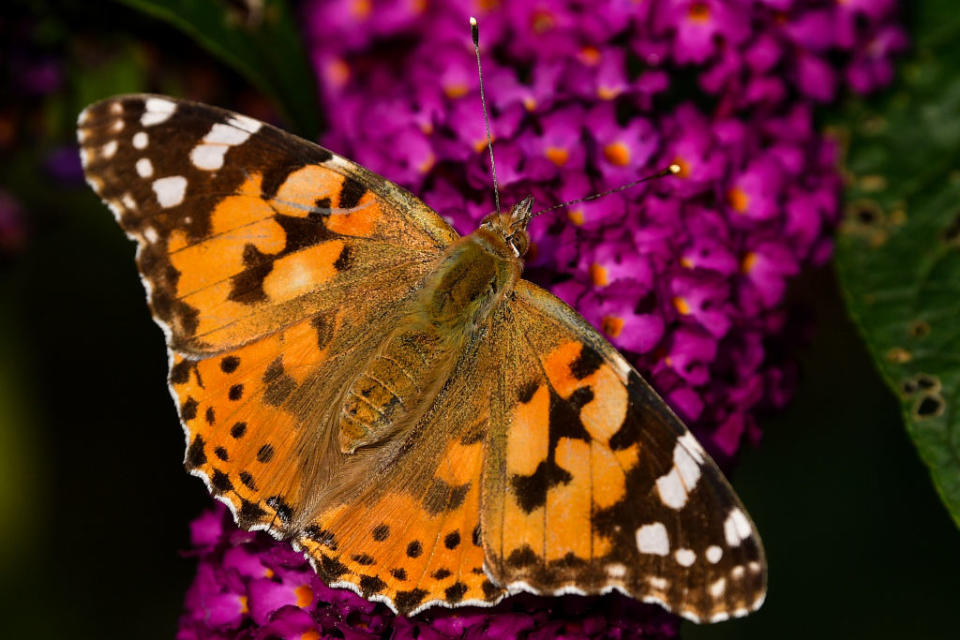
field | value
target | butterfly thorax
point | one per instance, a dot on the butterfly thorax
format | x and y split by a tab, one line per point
443	315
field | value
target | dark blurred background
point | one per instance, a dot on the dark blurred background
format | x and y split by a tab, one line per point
94	500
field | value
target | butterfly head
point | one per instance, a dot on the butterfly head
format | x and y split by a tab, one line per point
512	225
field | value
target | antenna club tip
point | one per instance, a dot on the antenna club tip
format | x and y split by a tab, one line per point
674	169
473	22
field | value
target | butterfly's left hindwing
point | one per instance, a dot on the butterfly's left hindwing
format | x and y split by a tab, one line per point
592	484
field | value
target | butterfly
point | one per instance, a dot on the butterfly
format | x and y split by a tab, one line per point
394	399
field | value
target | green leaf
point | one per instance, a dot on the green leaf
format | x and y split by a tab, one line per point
264	46
898	250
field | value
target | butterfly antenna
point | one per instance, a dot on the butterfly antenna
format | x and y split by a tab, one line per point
672	170
475	32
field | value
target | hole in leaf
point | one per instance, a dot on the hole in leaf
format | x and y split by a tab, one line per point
919	329
866	213
951	235
927	382
929	406
909	387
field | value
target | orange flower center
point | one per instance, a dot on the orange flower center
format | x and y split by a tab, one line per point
606	93
599	275
542	21
617	153
748	261
481	143
427	164
738	199
360	9
338	72
682	306
557	155
576	216
304	595
698	12
612	325
454	91
590	55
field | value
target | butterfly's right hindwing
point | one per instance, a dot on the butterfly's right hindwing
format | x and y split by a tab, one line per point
592	484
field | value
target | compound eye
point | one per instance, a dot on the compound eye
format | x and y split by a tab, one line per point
520	243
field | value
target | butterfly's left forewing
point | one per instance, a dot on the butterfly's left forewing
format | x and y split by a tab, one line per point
591	484
242	227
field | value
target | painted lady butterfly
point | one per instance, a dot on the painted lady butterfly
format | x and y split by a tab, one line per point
394	399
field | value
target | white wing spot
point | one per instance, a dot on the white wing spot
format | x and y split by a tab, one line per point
117	126
658	583
109	149
652	538
116	108
736	528
140	140
114	206
144	167
754	567
86	155
714	553
208	156
157	110
170	191
225	134
737	572
616	571
717	588
742	524
688	467
685	557
129	202
247	124
690	444
671	490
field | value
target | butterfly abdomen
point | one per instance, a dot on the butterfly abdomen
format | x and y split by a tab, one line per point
401	380
391	391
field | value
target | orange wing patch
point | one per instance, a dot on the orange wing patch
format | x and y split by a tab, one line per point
415	543
559	468
241	436
241	226
353	210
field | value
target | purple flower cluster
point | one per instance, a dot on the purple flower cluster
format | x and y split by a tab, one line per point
248	586
686	274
